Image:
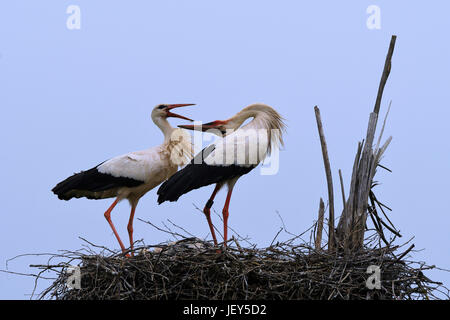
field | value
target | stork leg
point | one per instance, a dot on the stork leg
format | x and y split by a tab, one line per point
108	218
207	212
130	227
225	216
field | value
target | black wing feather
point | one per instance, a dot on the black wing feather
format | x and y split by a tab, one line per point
90	181
196	175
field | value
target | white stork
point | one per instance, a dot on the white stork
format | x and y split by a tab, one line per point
224	162
132	175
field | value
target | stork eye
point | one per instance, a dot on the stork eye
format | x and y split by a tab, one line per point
161	106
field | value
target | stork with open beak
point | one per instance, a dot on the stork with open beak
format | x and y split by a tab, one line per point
132	175
224	162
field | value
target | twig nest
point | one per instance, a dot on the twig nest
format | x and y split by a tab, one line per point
192	269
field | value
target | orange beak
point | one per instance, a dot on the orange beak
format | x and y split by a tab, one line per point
204	127
174	115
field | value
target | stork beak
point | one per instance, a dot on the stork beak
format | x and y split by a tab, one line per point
204	127
174	115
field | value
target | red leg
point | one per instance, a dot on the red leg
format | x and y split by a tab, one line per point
207	212
225	217
108	218
130	227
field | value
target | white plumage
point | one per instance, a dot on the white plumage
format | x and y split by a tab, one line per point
245	147
147	165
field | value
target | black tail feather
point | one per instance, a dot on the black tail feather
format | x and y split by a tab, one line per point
86	183
177	185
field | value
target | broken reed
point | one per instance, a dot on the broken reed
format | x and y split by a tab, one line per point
349	234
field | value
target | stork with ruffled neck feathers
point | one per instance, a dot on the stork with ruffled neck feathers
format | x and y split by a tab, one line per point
224	162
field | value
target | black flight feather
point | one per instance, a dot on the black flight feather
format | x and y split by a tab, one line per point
90	181
198	174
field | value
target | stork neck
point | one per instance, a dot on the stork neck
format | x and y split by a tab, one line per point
165	127
239	119
258	121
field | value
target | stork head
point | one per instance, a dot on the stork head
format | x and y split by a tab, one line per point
163	111
264	118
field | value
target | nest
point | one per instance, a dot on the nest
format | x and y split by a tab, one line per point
192	269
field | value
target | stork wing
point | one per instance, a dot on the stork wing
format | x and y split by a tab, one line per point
136	165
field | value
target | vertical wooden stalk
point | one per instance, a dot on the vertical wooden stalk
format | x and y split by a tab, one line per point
385	74
326	161
318	240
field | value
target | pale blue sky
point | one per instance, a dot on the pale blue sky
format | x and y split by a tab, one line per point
73	98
